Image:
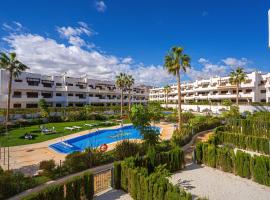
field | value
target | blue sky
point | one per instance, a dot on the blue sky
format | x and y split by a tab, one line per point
102	38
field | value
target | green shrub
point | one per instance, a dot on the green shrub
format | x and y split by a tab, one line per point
211	154
126	148
152	186
80	187
261	169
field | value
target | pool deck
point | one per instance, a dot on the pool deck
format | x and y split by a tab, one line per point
26	157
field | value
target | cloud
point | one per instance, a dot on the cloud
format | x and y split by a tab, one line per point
101	6
13	27
48	56
222	68
73	34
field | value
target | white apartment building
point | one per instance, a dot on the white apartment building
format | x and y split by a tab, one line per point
216	89
60	91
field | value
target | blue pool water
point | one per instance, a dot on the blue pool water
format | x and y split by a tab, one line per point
95	139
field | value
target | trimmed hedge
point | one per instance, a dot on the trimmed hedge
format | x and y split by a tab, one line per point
243	164
141	184
80	187
254	143
257	126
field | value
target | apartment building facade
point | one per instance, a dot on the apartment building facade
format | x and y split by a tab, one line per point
61	91
216	89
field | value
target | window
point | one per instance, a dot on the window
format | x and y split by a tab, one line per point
263	91
32	95
46	95
70	94
224	92
33	81
263	100
58	84
58	94
80	96
69	84
17	105
17	94
31	105
58	105
90	95
18	80
248	91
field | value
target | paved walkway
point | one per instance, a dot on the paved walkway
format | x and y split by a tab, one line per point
214	184
113	194
27	157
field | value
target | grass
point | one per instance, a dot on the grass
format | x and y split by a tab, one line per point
15	137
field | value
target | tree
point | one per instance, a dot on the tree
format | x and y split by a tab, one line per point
129	83
237	77
155	111
167	89
43	106
15	68
121	84
141	117
175	61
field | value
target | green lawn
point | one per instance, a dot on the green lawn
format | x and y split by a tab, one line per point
16	136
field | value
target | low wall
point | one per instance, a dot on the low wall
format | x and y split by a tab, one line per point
218	109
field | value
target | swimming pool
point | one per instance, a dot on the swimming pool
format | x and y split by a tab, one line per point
97	138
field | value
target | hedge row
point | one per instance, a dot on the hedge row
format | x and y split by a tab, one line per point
253	143
80	187
173	159
255	127
142	186
257	167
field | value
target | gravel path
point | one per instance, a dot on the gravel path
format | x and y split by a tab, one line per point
113	194
214	184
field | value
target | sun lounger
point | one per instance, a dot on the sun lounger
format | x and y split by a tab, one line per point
69	128
90	125
76	127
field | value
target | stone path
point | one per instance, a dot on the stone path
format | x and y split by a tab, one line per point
214	184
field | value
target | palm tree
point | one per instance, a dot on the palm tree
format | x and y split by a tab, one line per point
129	83
167	89
237	77
15	68
175	61
121	84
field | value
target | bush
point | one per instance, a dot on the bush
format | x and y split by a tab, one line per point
254	143
142	184
47	165
242	164
117	175
13	183
126	148
261	167
80	187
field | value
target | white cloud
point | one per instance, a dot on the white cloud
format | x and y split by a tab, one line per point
101	6
73	34
47	56
12	27
222	68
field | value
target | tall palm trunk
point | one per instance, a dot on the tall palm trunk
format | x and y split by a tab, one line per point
166	100
9	94
129	100
121	103
179	99
237	94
